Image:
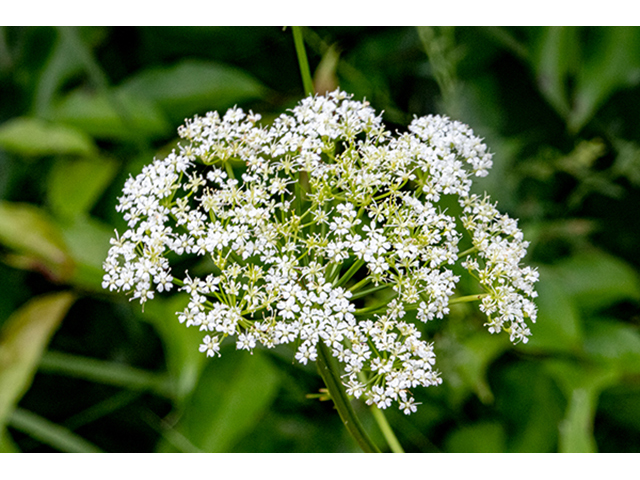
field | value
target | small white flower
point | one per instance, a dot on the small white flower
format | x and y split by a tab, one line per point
211	345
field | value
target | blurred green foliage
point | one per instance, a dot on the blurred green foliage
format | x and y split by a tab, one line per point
83	108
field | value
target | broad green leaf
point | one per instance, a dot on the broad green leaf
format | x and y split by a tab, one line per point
194	86
532	405
234	391
33	137
483	437
614	64
558	326
88	243
50	433
474	357
74	185
595	280
23	339
38	241
114	116
613	342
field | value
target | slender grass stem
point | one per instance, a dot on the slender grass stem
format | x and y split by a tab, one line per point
383	424
386	429
109	373
50	433
305	71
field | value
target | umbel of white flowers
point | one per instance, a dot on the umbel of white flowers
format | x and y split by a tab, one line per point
306	217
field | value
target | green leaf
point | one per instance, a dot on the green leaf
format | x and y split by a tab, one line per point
622	403
482	437
576	430
532	405
232	394
595	280
23	339
29	230
112	116
555	59
62	63
473	359
558	326
614	64
582	385
74	185
615	343
88	243
194	86
50	433
33	137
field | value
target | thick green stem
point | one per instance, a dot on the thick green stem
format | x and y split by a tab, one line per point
329	373
327	365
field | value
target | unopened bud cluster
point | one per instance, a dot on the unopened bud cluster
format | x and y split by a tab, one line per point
306	219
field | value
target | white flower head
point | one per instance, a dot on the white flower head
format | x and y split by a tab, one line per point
302	217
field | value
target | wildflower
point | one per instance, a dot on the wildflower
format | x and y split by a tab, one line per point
326	203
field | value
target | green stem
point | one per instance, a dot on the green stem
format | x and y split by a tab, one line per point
468	298
326	364
374	308
389	436
350	273
467	252
329	373
305	71
369	291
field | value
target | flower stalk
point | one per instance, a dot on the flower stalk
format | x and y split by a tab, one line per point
329	372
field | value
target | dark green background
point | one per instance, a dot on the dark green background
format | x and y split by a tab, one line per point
83	108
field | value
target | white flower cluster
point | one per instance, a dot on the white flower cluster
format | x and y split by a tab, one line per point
305	218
